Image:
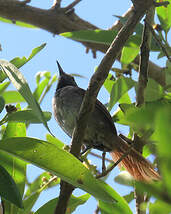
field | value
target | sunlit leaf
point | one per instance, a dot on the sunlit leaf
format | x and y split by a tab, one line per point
2	103
74	202
18	23
22	86
27	116
129	54
60	163
158	207
164	15
12	97
119	88
19	62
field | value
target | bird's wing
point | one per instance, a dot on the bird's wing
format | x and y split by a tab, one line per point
101	108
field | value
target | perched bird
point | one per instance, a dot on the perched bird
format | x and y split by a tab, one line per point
100	133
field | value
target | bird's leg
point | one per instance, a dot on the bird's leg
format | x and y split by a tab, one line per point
103	162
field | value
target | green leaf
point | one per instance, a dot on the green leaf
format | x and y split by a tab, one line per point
74	202
2	103
15	167
40	88
3	86
60	163
158	207
144	116
55	141
167	72
27	116
119	88
22	86
95	36
155	189
129	197
19	62
39	184
44	181
12	97
162	136
129	54
18	23
164	15
104	37
153	91
29	203
8	188
116	208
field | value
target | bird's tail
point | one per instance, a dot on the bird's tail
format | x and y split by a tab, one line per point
134	163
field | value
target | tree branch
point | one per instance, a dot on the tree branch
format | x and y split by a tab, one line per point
56	21
144	58
97	81
142	83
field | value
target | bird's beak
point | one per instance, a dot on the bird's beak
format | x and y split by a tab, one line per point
61	72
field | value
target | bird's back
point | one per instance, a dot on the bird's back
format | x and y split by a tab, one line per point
100	129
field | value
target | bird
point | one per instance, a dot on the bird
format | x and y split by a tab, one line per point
100	132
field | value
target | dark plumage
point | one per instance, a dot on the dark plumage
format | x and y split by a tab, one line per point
101	133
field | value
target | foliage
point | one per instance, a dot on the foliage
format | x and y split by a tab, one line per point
151	122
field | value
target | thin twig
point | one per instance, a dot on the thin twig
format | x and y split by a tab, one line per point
129	141
139	197
103	174
144	59
162	3
159	42
103	161
99	156
97	210
56	4
73	4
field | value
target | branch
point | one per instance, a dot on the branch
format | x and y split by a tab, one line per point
142	83
56	21
103	174
159	42
97	81
144	58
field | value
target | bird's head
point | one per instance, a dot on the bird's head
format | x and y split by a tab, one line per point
64	79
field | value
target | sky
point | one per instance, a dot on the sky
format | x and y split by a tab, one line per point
16	41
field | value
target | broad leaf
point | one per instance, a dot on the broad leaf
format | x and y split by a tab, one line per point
61	163
12	97
129	54
164	15
119	88
74	202
22	86
27	116
15	167
19	62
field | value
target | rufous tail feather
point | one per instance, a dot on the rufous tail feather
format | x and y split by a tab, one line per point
134	163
